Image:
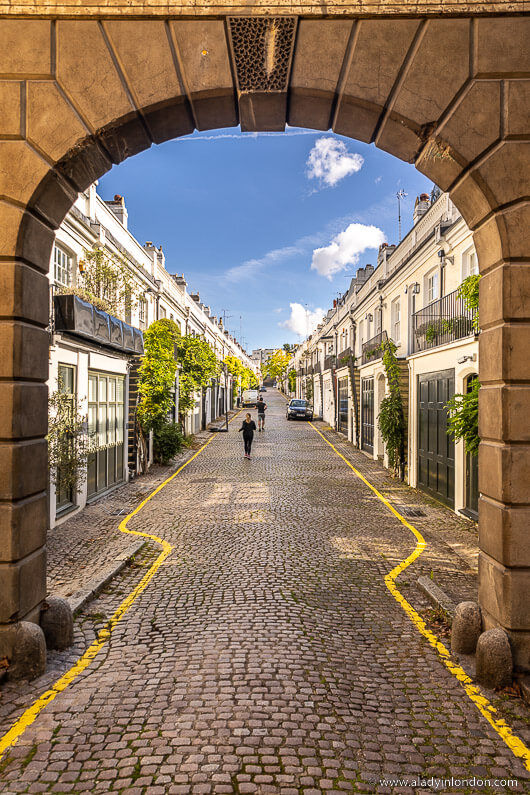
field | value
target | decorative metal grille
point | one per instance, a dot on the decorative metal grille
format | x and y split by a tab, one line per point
262	49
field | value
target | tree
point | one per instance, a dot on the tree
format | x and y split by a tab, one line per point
292	380
276	367
198	366
157	374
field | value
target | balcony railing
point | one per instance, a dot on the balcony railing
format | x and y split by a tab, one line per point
343	357
329	362
372	349
441	322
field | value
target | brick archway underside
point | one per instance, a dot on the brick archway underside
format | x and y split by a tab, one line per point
450	94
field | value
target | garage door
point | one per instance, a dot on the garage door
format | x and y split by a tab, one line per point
436	450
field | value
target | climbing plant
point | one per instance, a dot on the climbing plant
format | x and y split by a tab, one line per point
68	442
291	378
106	281
468	292
391	419
463	418
309	388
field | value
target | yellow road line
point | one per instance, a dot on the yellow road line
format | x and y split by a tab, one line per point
485	707
29	716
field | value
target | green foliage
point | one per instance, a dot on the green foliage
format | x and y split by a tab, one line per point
276	367
198	367
463	418
168	440
157	374
391	420
309	388
292	380
468	292
288	348
106	282
68	441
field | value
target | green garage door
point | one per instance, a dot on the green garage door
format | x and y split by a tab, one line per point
436	450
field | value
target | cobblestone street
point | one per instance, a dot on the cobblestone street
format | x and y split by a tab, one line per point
267	654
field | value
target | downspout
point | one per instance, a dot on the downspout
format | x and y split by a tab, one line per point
353	385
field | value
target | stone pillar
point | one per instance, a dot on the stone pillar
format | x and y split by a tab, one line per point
504	458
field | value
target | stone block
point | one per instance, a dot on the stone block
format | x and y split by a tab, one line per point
24	293
470	199
57	623
23	468
52	198
504	413
144	53
87	73
380	47
439	165
504	472
125	137
494	659
466	628
502	46
318	61
481	102
52	123
19	183
11	121
204	59
400	139
487	237
25	351
170	119
518	107
23	526
23	585
25	47
24	645
506	173
505	293
504	353
356	118
23	410
437	72
503	592
85	163
260	110
504	532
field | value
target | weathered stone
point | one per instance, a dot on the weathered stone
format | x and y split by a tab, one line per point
25	647
494	659
57	623
466	628
503	532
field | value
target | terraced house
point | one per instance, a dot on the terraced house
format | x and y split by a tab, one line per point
106	289
411	297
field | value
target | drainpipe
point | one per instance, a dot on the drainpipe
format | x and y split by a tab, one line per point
353	385
334	381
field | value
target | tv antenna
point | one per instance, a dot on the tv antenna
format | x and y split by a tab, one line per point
400	195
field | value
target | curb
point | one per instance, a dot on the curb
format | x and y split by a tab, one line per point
436	596
79	599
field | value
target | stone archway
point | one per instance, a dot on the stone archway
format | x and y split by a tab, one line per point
448	93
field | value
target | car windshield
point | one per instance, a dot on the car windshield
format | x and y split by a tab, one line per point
302	403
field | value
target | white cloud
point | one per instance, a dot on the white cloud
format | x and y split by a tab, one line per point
278	310
329	161
377	180
252	267
289	132
345	249
302	321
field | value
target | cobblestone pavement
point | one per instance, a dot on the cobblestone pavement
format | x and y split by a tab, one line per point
266	655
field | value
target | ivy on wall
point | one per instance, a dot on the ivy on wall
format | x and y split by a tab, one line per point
463	418
291	379
68	442
391	419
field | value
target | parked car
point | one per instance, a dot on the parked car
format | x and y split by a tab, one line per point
249	398
299	409
263	389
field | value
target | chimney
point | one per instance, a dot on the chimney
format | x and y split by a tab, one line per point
180	280
118	208
195	297
421	206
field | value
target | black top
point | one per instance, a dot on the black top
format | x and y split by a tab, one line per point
248	428
261	406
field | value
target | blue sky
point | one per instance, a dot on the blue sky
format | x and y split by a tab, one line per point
269	227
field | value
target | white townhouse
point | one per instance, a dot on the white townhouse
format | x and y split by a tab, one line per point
94	355
410	297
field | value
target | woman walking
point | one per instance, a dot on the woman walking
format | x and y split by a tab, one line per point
248	427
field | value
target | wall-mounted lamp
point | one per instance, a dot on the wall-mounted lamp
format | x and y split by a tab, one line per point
369	316
464	359
415	288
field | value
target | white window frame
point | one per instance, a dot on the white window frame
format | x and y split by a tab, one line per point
432	280
469	263
60	253
396	320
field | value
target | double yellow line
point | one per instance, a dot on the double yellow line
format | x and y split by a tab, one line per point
516	745
103	636
485	707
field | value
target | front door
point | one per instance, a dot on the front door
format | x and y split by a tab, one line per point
367	414
343	405
436	449
106	431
